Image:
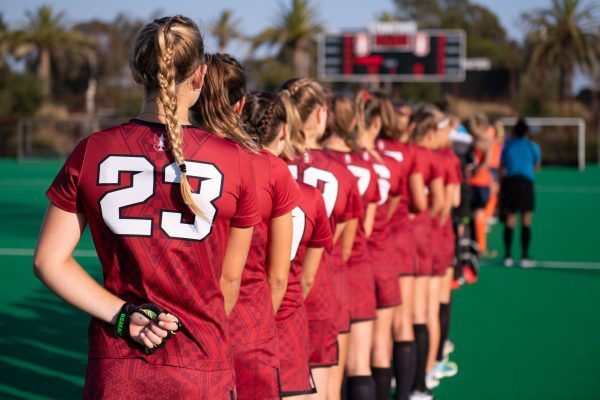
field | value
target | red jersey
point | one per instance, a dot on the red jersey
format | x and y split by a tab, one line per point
361	166
428	164
277	194
311	229
405	156
340	194
452	170
151	247
390	185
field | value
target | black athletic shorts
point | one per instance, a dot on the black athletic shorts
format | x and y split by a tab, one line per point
480	195
516	195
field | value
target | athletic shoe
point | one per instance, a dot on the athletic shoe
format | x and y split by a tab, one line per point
457	283
527	263
470	276
509	262
421	395
448	349
444	369
431	381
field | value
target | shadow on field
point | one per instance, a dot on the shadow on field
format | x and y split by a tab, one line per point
44	350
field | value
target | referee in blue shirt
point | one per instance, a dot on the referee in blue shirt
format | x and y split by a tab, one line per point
520	161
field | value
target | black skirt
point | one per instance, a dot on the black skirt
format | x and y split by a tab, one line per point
516	195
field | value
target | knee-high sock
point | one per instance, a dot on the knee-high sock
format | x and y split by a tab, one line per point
444	328
360	388
481	233
525	240
405	363
383	382
422	342
508	237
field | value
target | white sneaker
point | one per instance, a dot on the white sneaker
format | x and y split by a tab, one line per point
431	381
448	348
509	262
444	369
527	263
418	395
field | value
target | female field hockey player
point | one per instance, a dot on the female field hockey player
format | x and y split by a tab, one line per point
341	146
327	314
165	240
264	281
265	117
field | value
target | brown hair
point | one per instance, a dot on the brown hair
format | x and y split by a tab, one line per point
389	119
263	115
304	96
341	121
367	108
224	85
166	52
424	121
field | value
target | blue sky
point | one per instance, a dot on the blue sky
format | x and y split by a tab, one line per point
253	14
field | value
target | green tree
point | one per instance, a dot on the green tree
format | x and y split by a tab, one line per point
45	35
225	29
563	37
294	32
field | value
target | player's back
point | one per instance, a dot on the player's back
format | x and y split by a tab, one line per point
151	246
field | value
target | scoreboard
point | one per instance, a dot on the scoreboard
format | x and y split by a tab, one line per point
393	52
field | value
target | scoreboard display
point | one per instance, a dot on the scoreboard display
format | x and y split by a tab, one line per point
389	52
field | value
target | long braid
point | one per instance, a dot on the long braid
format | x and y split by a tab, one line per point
168	98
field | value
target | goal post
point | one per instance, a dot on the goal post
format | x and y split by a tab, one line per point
540	122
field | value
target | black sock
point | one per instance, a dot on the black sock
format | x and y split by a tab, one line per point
405	362
508	236
444	328
360	388
383	382
525	239
422	342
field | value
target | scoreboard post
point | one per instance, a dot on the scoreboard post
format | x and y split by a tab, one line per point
393	52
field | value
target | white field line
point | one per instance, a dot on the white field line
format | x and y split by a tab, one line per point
20	252
558	265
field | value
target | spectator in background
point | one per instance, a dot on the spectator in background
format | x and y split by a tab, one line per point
497	137
520	161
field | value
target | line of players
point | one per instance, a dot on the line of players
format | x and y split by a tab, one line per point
358	191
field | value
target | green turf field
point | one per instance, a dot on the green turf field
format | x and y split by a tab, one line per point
519	334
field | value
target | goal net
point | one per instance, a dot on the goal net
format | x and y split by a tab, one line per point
562	140
46	138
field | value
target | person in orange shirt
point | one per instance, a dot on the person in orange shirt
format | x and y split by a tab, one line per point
496	134
480	179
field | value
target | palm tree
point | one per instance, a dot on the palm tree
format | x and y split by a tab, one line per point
44	35
294	31
563	36
225	29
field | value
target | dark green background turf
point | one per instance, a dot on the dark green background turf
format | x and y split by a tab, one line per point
518	333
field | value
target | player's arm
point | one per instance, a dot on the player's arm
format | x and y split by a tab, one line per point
436	187
278	257
394	202
449	202
233	264
348	236
484	145
55	266
369	221
310	266
417	191
339	228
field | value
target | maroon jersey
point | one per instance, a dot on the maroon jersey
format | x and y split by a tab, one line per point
428	164
453	172
311	229
405	156
277	194
340	193
360	165
151	247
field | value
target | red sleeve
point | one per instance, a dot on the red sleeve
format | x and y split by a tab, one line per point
438	165
372	194
286	193
420	164
246	213
396	179
321	236
356	203
64	189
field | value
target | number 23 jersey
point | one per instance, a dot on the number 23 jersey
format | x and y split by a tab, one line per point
151	247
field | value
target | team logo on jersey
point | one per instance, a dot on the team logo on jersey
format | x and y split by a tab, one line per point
161	142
